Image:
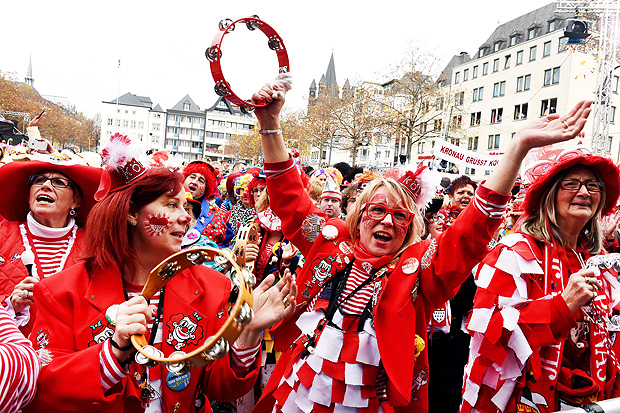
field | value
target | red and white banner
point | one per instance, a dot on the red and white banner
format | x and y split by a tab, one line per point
456	154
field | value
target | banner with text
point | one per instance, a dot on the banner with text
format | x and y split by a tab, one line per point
460	156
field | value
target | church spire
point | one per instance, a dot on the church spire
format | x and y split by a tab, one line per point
29	79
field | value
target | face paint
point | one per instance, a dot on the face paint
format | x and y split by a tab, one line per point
157	224
379	199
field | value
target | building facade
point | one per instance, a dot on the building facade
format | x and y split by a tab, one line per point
524	71
136	117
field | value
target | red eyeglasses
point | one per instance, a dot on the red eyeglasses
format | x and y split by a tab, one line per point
376	212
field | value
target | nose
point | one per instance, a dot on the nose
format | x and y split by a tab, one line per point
388	219
48	184
185	218
583	190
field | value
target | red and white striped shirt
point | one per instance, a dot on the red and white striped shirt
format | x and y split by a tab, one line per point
19	366
50	245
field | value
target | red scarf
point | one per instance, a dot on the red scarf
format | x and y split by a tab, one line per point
362	255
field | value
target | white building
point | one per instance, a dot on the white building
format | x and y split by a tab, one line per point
523	71
224	120
136	117
185	129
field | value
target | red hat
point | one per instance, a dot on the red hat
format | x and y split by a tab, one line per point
257	179
122	166
15	195
542	173
420	184
331	189
206	170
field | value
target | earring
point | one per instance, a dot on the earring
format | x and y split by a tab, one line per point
133	222
72	211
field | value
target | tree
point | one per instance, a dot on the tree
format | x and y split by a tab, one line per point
247	146
60	127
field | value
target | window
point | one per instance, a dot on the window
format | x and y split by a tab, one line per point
519	57
437	125
547	49
499	89
478	92
125	124
485	69
548	106
496	46
141	125
422	127
532	53
465	75
520	111
507	62
457	77
523	83
474	73
614	84
496	115
439	103
472	143
459	98
495	65
531	33
186	106
475	119
420	147
471	171
609	141
612	114
562	44
456	121
493	142
110	122
551	26
552	76
513	40
133	124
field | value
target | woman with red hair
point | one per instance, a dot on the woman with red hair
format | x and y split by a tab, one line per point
140	221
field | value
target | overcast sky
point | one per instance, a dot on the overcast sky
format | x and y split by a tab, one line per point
76	45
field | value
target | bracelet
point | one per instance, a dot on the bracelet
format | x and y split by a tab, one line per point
270	131
116	346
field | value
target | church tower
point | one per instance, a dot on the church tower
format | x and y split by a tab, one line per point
29	79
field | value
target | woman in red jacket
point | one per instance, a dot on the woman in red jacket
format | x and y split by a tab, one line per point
368	287
83	333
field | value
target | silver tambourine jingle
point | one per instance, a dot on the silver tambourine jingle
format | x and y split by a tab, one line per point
151	351
218	350
181	367
246	314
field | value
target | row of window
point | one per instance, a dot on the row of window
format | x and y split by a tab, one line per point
233	125
533	53
550	77
132	124
516	37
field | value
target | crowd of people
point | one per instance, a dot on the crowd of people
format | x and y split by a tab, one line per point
375	292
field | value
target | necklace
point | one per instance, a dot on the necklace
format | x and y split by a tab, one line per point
26	236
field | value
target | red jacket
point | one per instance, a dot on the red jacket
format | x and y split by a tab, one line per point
71	324
13	271
427	274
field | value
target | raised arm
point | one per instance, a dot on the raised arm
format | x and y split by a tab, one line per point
536	133
269	120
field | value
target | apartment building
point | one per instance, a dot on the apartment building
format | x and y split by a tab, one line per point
525	70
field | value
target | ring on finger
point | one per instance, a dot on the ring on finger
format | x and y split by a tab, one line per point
286	302
594	294
566	125
24	294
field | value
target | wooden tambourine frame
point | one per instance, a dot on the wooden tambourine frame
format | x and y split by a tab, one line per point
247	234
214	55
215	346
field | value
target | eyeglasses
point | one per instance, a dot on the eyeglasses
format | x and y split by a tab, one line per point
257	191
574	185
400	217
57	182
436	218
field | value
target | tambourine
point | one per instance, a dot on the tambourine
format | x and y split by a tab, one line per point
216	346
604	261
247	234
214	55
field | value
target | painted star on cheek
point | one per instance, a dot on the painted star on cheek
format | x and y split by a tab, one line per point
157	224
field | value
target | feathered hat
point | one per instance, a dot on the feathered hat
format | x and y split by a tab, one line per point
123	165
420	184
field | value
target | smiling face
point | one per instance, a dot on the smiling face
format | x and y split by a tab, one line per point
196	183
574	209
382	237
436	225
161	226
462	197
50	205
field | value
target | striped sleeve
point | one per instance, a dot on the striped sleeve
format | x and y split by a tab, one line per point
19	367
241	360
272	169
111	370
490	203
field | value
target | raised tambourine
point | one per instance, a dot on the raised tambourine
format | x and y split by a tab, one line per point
247	234
216	346
214	55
